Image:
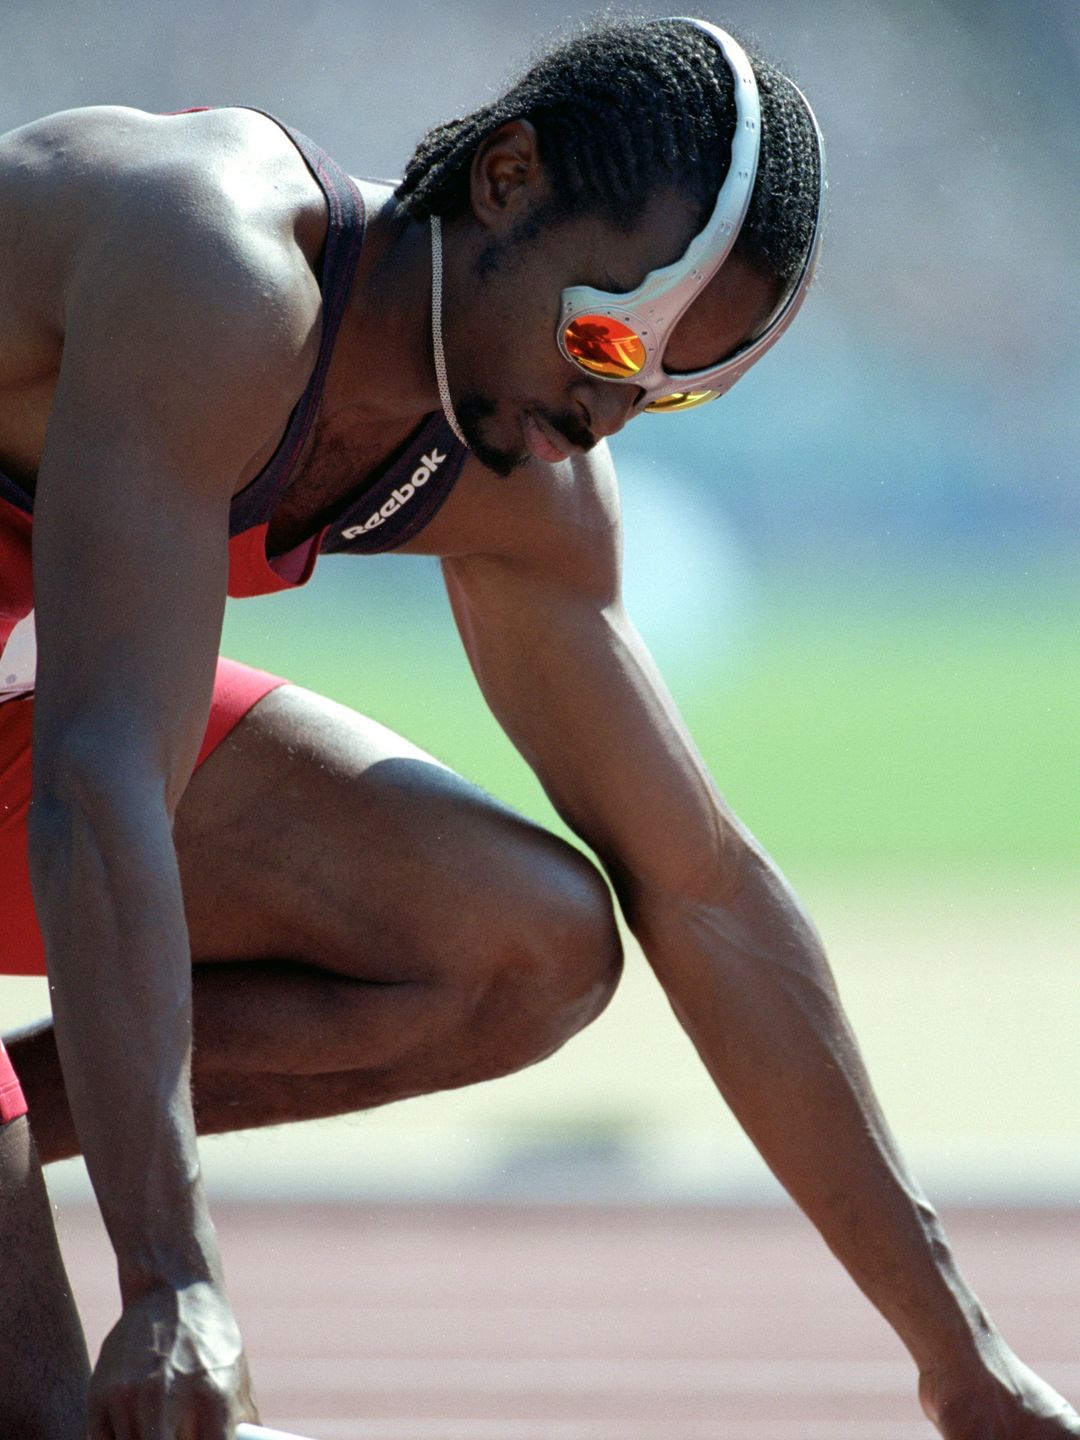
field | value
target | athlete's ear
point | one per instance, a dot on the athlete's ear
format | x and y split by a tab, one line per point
505	176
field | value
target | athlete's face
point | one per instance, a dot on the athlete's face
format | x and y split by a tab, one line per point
516	396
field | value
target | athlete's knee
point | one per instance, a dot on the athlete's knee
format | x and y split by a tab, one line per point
556	961
581	949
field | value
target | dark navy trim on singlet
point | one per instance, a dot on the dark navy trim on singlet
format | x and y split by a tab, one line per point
402	499
15	495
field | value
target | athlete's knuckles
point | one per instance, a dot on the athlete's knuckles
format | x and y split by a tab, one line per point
212	1422
99	1425
217	1400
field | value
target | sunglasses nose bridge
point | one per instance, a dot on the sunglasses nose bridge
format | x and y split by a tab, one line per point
611	406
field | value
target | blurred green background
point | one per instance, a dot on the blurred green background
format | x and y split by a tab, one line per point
858	572
865	723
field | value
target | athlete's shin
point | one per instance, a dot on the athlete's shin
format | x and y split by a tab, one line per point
44	1368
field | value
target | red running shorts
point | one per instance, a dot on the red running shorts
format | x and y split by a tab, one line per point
12	1104
236	689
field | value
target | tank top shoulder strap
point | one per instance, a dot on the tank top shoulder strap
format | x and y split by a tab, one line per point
344	239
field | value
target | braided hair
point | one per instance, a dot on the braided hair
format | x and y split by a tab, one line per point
629	107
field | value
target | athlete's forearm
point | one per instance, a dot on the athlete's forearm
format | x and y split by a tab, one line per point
108	898
748	978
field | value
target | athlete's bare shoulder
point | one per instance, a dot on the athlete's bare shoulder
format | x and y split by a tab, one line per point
214	214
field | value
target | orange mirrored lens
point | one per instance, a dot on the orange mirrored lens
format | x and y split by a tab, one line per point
604	346
681	400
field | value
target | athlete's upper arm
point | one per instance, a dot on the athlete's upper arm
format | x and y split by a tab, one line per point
178	360
572	683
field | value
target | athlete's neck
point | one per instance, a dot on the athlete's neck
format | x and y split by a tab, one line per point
382	369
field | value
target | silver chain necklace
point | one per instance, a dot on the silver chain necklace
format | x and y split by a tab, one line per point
436	329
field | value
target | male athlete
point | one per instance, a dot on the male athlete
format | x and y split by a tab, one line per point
221	357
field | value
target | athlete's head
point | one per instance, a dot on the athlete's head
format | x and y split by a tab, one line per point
631	118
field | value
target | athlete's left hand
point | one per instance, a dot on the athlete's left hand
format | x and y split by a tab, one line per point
997	1399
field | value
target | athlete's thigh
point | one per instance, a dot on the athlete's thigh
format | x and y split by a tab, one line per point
315	834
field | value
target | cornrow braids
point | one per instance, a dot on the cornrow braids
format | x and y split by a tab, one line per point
629	107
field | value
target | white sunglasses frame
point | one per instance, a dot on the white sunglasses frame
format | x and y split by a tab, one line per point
655	307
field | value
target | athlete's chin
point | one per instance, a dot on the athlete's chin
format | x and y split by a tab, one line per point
503	462
474	415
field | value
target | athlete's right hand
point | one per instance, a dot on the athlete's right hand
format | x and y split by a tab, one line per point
172	1368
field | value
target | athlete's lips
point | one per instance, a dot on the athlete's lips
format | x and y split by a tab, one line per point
541	442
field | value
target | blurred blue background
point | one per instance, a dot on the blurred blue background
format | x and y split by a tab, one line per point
858	571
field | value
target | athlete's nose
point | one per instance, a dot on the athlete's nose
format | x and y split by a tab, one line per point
610	407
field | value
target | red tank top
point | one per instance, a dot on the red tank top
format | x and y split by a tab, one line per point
385	510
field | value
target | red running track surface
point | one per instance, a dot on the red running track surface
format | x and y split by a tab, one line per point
512	1322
